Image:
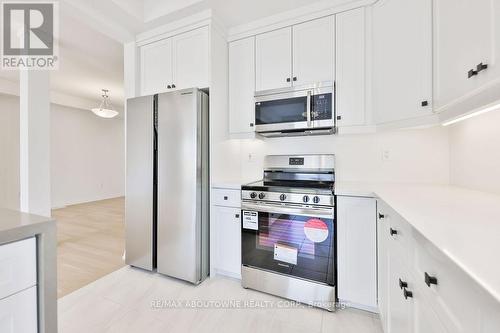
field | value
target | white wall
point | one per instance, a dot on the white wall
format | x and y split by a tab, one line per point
475	153
9	152
87	155
414	155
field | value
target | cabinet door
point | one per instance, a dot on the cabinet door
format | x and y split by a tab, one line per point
400	308
228	240
242	86
425	319
465	36
356	244
156	67
18	313
273	59
402	59
313	51
350	68
191	59
383	264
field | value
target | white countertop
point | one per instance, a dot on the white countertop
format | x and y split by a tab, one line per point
227	186
464	224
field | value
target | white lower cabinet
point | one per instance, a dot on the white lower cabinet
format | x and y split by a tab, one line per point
18	313
227	224
356	246
420	290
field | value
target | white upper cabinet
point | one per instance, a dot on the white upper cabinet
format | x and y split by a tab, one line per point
350	82
402	59
467	34
177	62
242	86
156	67
273	59
313	51
191	59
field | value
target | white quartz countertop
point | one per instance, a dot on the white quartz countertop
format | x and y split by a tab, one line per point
464	224
227	185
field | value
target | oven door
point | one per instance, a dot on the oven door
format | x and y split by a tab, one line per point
298	241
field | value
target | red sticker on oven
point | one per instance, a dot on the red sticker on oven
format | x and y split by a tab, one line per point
316	230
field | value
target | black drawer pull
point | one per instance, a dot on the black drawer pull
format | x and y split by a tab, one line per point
393	232
251	124
407	294
471	73
225	198
381	216
169	86
481	67
430	280
288	79
425	103
237	216
402	284
173	85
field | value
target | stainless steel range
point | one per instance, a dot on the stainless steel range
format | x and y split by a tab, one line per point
288	230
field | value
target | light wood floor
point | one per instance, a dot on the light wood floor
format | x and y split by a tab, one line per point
91	241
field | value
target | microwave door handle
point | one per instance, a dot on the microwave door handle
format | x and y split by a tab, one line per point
308	108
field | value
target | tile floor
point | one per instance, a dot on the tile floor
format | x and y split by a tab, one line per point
122	302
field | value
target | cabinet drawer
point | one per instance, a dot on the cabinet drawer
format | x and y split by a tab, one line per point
452	293
399	233
226	197
17	266
18	313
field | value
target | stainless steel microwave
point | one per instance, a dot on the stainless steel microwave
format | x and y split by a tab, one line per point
306	110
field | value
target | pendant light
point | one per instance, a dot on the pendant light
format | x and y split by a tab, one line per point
105	109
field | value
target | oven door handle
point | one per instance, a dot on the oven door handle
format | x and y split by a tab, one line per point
326	213
308	108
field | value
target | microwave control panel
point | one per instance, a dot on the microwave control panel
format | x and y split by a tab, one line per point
322	106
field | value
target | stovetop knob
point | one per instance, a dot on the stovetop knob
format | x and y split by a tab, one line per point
305	198
316	199
283	197
262	196
253	195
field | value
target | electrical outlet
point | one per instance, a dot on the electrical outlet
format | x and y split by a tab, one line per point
386	155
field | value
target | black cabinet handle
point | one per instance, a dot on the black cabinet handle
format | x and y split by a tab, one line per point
481	67
393	232
225	198
381	216
288	79
339	117
237	216
402	284
295	78
251	124
173	85
471	73
430	280
169	86
425	103
407	294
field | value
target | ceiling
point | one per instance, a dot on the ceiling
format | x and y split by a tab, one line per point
92	33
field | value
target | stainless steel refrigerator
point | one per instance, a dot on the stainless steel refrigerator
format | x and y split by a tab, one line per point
166	204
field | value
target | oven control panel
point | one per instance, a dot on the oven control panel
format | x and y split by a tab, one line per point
297	198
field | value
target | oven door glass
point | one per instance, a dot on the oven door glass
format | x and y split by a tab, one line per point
290	110
297	245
